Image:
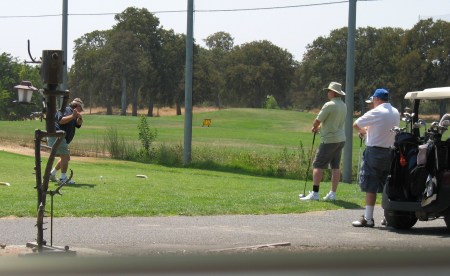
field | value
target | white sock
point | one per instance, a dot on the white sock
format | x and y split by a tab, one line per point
63	176
368	212
53	172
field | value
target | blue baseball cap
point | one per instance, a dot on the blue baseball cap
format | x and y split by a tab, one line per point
382	94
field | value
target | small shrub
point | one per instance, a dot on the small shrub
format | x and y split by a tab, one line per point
271	103
146	135
114	144
169	155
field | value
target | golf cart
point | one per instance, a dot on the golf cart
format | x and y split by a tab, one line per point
418	186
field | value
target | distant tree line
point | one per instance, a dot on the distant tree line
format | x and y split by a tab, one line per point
140	64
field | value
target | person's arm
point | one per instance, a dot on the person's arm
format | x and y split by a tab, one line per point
361	130
79	120
316	126
74	116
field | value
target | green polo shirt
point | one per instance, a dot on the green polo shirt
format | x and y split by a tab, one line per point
332	119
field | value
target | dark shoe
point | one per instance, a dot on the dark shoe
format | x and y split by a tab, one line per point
362	222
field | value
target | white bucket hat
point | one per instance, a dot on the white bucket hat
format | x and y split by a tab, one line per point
79	102
336	87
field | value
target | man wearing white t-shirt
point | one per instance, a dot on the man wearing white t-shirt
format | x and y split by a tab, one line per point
376	125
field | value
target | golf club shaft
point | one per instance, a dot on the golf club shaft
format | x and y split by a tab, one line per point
309	164
359	160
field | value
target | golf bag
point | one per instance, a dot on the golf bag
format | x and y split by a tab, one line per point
406	180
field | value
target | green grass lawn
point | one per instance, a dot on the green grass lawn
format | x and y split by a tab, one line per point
110	188
172	191
243	129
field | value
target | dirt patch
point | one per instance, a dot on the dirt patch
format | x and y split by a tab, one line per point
157	112
14	148
29	151
14	250
165	111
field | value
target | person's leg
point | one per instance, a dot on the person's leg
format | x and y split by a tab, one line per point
369	182
317	176
335	177
370	205
63	163
58	165
321	161
64	155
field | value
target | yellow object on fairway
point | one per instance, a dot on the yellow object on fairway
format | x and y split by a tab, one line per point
206	122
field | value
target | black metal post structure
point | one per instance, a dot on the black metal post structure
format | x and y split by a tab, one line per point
52	75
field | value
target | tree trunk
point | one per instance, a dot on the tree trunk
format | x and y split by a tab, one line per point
123	110
218	101
134	101
178	107
109	108
150	108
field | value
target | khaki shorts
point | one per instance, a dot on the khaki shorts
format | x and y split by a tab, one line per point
328	154
63	148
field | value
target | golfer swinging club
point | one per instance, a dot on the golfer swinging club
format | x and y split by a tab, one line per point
331	122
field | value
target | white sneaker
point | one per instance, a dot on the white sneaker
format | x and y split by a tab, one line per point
311	196
70	182
330	196
53	178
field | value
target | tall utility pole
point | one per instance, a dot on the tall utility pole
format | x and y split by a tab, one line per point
188	84
64	44
349	95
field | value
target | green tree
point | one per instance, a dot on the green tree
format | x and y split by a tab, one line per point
323	62
212	66
425	58
11	74
257	69
89	77
145	28
172	73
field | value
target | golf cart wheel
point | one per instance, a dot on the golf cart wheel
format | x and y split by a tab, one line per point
447	221
400	219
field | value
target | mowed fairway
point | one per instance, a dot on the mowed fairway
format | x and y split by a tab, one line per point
108	187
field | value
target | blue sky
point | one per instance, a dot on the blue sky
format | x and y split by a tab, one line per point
289	28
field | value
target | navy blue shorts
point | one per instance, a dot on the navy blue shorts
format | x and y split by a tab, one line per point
376	163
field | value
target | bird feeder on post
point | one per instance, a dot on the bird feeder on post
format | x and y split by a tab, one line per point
25	92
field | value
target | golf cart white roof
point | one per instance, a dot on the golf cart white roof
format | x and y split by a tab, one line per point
437	93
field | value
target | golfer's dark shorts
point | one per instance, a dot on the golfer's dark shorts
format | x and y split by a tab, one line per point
328	154
375	168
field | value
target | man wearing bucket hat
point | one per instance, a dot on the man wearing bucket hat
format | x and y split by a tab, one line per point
68	121
375	124
369	102
330	121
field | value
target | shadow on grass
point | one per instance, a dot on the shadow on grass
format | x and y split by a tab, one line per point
80	186
241	169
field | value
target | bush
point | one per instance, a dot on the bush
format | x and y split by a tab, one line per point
117	147
271	103
146	135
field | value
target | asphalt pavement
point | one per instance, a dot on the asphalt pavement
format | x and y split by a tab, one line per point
315	243
315	231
